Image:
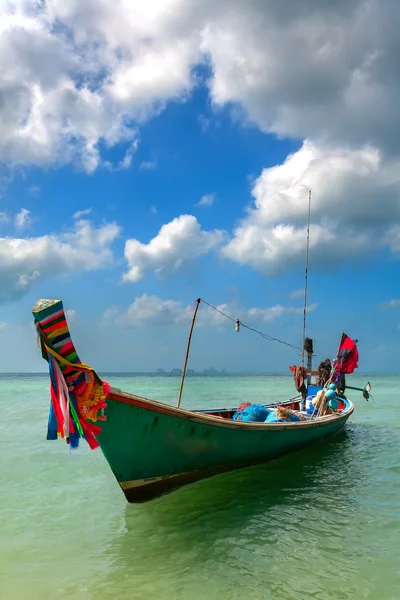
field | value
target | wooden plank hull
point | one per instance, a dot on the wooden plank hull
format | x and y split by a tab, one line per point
153	448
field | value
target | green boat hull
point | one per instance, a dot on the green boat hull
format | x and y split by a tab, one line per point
153	448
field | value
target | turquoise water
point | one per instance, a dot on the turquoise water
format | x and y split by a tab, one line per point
320	524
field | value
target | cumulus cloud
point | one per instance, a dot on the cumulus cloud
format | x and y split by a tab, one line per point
176	245
77	73
206	200
274	312
78	76
50	112
82	213
22	219
25	260
153	310
126	161
357	197
322	70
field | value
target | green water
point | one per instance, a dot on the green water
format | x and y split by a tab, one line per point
320	524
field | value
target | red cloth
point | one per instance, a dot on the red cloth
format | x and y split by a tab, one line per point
347	358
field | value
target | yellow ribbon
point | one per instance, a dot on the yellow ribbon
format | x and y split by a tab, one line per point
64	361
58	332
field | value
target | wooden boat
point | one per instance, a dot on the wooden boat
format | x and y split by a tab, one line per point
150	446
161	447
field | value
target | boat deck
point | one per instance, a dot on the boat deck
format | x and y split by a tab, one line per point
295	405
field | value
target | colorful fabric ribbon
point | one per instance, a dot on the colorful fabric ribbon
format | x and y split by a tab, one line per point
77	393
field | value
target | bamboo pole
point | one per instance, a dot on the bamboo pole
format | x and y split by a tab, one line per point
323	404
306	277
340	343
317	408
309	369
338	349
187	351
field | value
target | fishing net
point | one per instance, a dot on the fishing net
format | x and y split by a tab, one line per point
253	413
282	415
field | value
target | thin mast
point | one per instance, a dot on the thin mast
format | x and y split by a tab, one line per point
306	277
187	351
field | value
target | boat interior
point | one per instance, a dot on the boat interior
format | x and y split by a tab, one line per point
294	404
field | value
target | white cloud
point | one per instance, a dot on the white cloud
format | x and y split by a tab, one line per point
274	312
4	217
153	310
163	72
291	66
77	76
25	260
126	161
348	220
175	246
48	117
22	219
206	200
2	325
74	74
82	213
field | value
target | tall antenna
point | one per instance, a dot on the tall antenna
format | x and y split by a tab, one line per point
306	277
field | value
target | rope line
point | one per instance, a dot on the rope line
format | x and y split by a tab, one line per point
218	310
263	335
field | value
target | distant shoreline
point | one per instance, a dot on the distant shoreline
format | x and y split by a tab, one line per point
189	375
155	374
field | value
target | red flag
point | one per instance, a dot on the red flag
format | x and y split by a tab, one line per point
347	358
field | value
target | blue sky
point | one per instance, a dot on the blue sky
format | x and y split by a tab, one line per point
154	154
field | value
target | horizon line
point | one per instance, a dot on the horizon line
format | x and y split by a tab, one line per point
193	373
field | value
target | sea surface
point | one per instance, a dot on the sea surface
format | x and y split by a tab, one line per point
320	524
